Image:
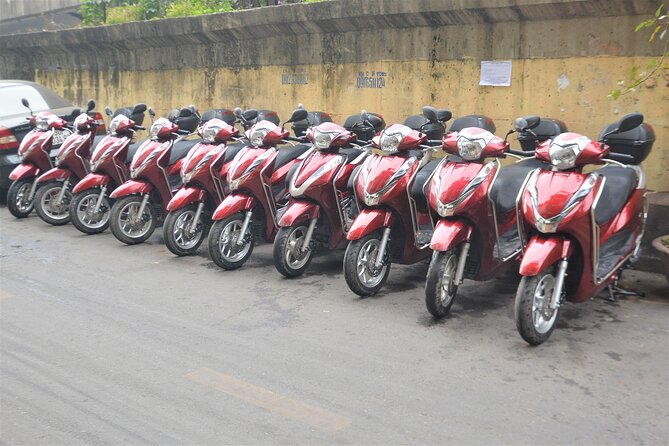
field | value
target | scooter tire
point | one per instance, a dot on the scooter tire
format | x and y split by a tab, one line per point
14	194
50	187
74	215
115	220
525	308
214	240
351	257
442	268
280	253
169	228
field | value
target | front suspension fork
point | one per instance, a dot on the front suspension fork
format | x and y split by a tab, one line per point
101	197
61	194
33	188
245	225
196	218
559	283
462	261
307	237
382	248
142	206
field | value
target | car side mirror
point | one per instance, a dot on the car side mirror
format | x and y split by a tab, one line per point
108	111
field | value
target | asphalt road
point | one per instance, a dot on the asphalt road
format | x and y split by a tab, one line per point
107	344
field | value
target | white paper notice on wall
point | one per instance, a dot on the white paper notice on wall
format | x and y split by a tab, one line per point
495	73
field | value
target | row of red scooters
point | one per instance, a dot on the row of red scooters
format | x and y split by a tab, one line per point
371	189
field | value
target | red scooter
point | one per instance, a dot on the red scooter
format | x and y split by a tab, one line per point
394	223
90	206
34	154
585	227
54	194
154	175
320	206
190	209
257	179
474	201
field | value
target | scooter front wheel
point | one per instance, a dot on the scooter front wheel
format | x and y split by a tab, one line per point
17	198
228	247
49	207
83	214
535	319
291	258
362	275
440	287
180	238
126	223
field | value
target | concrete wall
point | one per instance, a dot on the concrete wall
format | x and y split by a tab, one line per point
567	55
12	9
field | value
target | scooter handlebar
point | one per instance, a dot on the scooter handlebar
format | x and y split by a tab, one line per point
621	157
522	152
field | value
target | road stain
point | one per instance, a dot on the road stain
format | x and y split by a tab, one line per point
276	403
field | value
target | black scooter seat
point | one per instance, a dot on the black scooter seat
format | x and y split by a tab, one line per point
180	149
420	180
619	184
287	154
351	154
232	150
509	180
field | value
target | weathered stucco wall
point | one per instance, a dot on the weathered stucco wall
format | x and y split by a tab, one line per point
567	55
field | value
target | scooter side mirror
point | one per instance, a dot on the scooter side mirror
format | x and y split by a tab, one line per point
629	122
25	103
250	114
238	112
139	108
299	114
152	113
90	106
525	123
444	115
430	113
108	111
364	116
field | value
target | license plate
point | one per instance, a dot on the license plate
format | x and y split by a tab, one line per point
59	136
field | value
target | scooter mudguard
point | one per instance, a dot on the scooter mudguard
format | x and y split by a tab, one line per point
23	171
368	221
55	174
449	234
233	204
131	187
90	181
184	197
298	211
543	251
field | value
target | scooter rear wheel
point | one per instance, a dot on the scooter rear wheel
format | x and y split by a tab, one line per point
130	232
17	198
440	287
535	320
223	242
82	213
360	272
47	206
289	259
176	231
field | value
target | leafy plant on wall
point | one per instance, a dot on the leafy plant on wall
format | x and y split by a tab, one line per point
657	68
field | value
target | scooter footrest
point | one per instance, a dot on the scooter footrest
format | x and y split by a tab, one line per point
424	237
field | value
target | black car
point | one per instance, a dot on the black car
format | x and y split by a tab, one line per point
13	123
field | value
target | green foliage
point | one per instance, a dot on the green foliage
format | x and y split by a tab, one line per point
107	12
123	14
656	68
182	8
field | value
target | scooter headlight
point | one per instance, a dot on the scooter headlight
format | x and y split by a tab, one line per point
322	140
114	123
470	149
563	157
390	143
258	136
209	134
41	124
155	129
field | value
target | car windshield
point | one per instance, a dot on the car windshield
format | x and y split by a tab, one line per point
10	100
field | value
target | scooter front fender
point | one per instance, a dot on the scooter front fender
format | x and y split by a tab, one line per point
55	174
131	187
368	221
449	234
90	181
542	251
184	197
297	212
233	204
23	171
